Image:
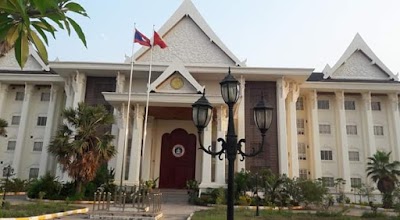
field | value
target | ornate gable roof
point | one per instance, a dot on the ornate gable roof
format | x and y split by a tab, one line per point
34	62
359	62
176	79
190	40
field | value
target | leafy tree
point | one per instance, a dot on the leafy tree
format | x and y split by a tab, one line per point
384	173
29	21
80	145
313	192
3	125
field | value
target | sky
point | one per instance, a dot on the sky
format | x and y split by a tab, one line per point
268	33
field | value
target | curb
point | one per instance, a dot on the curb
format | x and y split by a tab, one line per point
49	200
51	216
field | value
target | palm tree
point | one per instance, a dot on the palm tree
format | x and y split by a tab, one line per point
3	125
384	173
80	145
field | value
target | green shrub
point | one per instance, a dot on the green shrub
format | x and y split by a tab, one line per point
244	200
17	185
46	184
373	215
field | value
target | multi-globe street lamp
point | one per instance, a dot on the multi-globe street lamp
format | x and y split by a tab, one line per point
7	172
202	114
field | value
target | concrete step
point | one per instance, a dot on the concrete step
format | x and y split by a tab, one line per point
174	196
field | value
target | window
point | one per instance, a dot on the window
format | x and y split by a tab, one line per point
351	129
302	151
376	106
15	120
300	104
41	121
45	97
324	129
378	130
37	146
354	156
19	96
349	105
11	145
323	104
303	174
33	173
355	182
326	155
300	126
328	181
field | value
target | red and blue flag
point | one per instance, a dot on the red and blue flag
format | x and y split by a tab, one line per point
141	39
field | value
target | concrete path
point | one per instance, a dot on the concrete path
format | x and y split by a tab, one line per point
174	206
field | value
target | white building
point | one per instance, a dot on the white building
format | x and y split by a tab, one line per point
325	124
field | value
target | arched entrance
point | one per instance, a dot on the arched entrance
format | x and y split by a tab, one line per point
178	159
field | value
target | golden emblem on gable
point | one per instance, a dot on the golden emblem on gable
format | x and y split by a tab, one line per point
177	82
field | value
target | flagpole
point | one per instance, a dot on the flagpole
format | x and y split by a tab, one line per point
127	111
147	107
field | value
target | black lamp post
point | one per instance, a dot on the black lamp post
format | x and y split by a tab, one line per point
7	171
202	113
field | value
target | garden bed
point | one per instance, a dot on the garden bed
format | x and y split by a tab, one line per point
34	209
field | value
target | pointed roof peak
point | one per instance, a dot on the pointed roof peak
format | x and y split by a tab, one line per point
188	9
358	44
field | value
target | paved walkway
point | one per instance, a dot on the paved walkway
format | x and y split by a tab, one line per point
174	207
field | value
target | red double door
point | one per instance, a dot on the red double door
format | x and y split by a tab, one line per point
178	159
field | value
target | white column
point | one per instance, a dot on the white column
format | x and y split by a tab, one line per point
292	134
369	124
23	124
137	134
146	160
69	92
343	149
222	124
282	89
119	87
79	86
241	126
206	162
50	125
3	94
394	124
312	106
121	123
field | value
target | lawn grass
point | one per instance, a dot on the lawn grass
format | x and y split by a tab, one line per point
242	214
34	209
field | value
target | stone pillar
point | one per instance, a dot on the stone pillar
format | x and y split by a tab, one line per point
23	125
241	126
292	132
206	162
282	89
79	86
115	128
50	126
394	124
312	105
136	146
369	124
146	160
3	94
222	125
121	148
341	134
69	92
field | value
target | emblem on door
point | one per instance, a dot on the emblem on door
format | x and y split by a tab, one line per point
178	150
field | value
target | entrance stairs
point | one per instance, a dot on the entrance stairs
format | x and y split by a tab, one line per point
174	196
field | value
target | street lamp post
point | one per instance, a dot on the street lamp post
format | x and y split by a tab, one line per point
7	171
202	114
